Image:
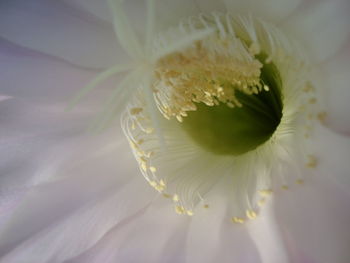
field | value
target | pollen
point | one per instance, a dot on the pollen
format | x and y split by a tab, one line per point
265	192
199	75
180	210
135	111
251	214
312	162
237	220
176	198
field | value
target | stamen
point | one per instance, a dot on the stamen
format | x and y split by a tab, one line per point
219	62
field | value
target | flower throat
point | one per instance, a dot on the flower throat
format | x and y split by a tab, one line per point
226	96
226	130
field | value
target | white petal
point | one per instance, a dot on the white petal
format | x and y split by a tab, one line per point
332	152
212	237
149	237
72	235
338	92
57	29
267	236
204	233
315	219
99	9
322	28
39	78
269	10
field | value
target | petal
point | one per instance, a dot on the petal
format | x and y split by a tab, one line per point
38	138
154	235
39	78
79	231
332	152
99	9
56	29
212	237
270	10
322	27
338	92
204	233
315	219
267	236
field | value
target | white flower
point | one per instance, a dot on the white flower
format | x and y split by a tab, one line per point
67	196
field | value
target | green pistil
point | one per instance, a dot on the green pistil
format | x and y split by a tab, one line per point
235	131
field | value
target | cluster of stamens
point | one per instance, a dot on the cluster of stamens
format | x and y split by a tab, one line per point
212	71
196	75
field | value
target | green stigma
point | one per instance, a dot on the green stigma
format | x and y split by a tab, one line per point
234	131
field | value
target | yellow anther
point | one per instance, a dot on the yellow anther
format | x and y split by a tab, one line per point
153	183
265	192
266	88
312	163
237	220
141	141
308	87
176	198
159	188
285	187
322	117
251	214
144	166
179	118
300	181
149	130
135	111
180	209
312	100
153	169
166	195
189	212
206	206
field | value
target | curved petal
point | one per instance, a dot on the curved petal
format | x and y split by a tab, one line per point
332	152
39	78
38	138
267	236
315	218
212	237
53	28
270	10
99	9
323	27
149	237
79	231
338	92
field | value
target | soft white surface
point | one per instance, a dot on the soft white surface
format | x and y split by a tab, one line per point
56	29
322	27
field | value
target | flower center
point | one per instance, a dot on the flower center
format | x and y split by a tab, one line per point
222	129
224	91
235	103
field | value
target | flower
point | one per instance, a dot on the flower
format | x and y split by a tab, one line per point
74	197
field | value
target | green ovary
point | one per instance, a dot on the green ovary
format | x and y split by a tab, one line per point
235	131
